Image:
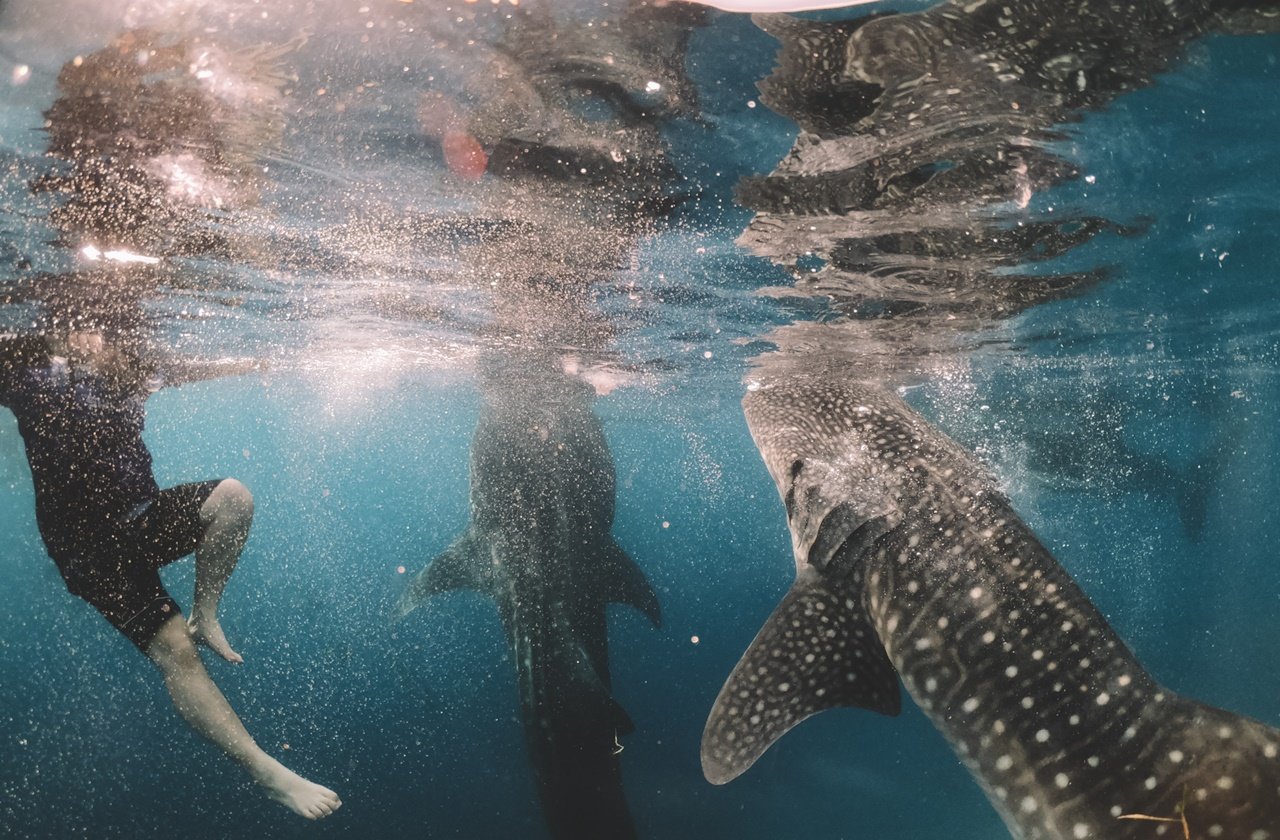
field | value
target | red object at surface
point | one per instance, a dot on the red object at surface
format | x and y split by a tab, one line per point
464	155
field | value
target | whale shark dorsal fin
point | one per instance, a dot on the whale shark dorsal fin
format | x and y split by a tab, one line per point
463	565
817	651
625	583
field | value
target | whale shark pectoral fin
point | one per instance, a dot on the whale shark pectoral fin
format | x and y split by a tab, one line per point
625	583
463	565
817	651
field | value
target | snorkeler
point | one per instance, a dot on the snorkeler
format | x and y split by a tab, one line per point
109	528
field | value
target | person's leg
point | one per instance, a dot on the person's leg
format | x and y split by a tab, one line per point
226	516
207	711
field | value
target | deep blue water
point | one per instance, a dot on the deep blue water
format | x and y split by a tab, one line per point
1111	420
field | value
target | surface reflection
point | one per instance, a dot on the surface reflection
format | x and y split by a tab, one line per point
919	198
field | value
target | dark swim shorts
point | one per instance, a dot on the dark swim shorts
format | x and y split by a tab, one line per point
117	570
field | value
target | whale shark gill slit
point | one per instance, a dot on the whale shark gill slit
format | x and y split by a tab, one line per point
847	535
789	500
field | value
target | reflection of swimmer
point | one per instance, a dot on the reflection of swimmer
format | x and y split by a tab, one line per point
109	528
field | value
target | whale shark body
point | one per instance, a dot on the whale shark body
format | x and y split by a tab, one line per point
539	543
911	563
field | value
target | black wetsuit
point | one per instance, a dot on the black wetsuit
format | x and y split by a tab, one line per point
104	520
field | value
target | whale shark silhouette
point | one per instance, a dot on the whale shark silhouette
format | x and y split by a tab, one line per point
539	543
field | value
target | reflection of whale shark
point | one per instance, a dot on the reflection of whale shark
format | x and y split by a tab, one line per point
542	504
929	172
909	559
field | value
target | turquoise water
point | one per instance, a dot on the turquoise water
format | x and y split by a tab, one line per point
1133	427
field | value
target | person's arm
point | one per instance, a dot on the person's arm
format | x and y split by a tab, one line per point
173	372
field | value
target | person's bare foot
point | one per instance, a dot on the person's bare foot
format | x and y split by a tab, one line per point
207	631
303	797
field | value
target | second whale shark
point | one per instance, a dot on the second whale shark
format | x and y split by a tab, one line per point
539	543
911	563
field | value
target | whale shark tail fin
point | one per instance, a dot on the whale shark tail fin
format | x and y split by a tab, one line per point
815	652
459	567
625	583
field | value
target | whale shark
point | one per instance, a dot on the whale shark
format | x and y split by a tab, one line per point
539	543
911	566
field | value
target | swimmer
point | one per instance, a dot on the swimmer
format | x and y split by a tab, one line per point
109	528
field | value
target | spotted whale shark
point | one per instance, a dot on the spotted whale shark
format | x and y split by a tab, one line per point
911	564
539	543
